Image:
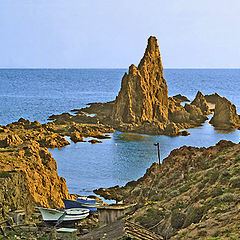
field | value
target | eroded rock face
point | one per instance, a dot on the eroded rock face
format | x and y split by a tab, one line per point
14	193
212	98
201	103
39	169
143	95
11	140
225	115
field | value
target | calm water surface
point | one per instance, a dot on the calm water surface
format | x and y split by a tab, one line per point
36	94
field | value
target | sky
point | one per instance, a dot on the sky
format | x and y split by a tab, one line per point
113	34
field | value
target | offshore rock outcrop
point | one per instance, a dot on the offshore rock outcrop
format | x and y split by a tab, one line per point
225	115
201	103
143	105
143	95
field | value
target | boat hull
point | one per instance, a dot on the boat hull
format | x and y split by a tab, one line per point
68	215
91	205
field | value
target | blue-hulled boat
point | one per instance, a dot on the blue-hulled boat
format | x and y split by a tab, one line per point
87	203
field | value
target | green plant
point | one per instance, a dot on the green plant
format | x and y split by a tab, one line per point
236	171
235	182
151	217
185	188
5	174
227	197
216	192
177	219
212	175
194	216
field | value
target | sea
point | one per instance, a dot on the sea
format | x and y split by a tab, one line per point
35	94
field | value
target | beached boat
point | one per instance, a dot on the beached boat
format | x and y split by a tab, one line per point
67	215
81	202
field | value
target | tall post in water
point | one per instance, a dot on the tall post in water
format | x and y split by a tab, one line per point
157	145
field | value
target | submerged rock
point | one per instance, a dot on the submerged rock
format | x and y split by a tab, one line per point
93	141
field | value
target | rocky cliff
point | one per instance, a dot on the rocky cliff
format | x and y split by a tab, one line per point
28	172
225	115
143	95
193	194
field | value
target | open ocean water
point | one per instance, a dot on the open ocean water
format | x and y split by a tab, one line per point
35	94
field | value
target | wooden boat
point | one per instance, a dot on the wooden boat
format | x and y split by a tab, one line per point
82	202
67	215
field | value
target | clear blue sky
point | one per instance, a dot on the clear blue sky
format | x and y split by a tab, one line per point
109	33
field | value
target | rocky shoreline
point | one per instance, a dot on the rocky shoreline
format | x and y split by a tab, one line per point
193	194
196	181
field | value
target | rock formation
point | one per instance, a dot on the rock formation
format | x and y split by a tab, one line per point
181	98
201	103
143	95
225	115
28	172
142	104
212	98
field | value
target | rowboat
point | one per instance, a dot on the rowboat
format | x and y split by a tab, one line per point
67	215
81	202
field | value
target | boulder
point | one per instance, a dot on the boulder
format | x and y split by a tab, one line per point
212	98
195	113
225	115
93	141
76	137
180	98
143	95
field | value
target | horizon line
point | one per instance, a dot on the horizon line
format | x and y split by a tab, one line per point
114	68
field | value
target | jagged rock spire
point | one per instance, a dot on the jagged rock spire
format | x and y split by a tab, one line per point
143	95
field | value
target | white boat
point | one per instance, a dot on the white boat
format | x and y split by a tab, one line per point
67	215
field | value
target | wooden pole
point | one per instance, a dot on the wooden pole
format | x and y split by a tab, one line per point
158	148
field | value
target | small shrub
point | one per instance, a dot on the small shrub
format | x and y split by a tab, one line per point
235	182
136	192
145	191
227	197
150	218
185	188
212	176
225	177
177	205
236	171
194	216
174	193
217	192
177	219
4	174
